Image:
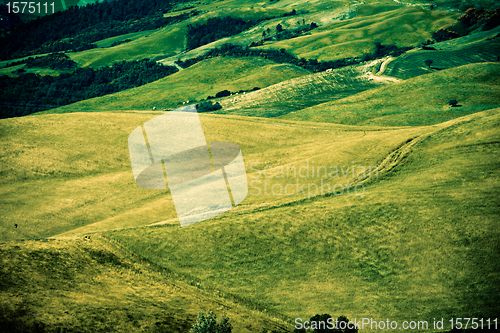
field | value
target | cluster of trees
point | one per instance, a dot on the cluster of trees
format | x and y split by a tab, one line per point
283	34
220	27
208	106
52	61
82	26
30	93
282	56
474	18
225	93
215	28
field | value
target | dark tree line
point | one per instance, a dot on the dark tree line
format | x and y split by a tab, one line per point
220	27
52	61
282	56
472	19
215	28
30	93
82	26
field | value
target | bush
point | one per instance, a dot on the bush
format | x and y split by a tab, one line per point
453	102
223	93
208	106
207	323
320	323
444	34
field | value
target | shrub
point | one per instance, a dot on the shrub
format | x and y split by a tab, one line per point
444	34
208	106
453	102
207	323
320	323
429	62
223	93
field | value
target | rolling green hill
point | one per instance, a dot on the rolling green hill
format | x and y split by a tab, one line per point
302	92
194	83
413	64
388	24
422	100
370	196
414	243
426	210
64	285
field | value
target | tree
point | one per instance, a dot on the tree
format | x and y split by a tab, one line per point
321	323
223	93
207	323
453	102
279	28
444	34
207	106
429	62
343	326
313	25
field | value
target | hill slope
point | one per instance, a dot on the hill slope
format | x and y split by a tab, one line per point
423	239
422	100
194	83
94	285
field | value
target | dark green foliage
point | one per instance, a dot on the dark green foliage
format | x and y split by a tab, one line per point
428	62
52	61
207	323
215	28
293	33
493	20
30	93
279	28
208	106
285	57
453	102
321	323
342	326
80	27
444	34
473	19
223	93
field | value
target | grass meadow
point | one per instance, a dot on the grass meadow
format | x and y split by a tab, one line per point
369	195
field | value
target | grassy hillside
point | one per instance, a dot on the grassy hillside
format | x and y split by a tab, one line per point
428	214
388	24
413	64
74	169
422	240
162	42
302	92
369	195
194	83
65	285
419	101
336	38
